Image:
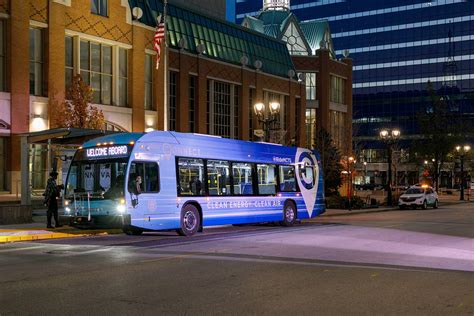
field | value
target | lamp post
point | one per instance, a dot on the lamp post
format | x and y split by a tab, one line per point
462	151
269	122
389	137
365	172
350	163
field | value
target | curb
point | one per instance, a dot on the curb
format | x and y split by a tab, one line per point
16	235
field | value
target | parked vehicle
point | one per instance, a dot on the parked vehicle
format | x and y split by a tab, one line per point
419	196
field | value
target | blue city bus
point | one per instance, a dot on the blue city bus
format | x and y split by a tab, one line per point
181	181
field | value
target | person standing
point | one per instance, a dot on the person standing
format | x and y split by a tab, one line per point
51	199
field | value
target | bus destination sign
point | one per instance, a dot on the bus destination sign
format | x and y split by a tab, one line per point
107	152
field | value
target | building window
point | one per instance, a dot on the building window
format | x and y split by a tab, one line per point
148	82
311	127
192	104
36	62
337	127
69	61
310	86
223	104
252	93
99	7
96	70
2	56
337	89
173	99
123	77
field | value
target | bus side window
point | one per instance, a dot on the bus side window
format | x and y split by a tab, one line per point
190	176
287	179
242	173
144	178
267	184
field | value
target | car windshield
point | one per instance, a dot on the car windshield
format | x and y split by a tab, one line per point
104	179
415	191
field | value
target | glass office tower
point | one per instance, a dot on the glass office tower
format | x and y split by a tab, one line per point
397	47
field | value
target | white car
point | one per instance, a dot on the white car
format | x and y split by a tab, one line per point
419	196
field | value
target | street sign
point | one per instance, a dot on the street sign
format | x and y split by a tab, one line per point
259	132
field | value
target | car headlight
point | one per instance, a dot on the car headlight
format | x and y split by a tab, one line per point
121	208
68	210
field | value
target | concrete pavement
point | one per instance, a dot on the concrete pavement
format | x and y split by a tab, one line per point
37	229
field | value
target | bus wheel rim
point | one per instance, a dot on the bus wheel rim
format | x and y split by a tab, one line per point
189	220
289	214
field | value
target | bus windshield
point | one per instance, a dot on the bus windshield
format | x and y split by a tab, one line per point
104	179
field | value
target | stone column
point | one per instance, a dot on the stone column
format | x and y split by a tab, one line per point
56	57
323	91
19	85
137	76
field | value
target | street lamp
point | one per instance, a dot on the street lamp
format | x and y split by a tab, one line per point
365	172
269	123
389	137
350	163
462	151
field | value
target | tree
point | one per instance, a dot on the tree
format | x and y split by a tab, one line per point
76	111
330	161
440	130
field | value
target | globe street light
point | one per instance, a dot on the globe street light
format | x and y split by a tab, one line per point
462	151
269	123
389	137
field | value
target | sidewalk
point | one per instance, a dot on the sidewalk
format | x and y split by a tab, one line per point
443	200
37	229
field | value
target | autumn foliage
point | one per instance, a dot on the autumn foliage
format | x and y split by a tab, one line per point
76	111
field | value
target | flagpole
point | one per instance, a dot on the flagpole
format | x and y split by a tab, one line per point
166	101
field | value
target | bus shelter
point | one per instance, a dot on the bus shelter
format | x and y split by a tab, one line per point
59	144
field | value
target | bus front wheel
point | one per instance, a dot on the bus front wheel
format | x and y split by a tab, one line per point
132	231
190	221
289	214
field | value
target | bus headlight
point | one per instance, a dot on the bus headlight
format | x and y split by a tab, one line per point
121	208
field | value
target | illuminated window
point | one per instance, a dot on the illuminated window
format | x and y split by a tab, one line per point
242	173
337	89
294	41
267	183
99	7
223	104
36	62
190	176
218	177
310	80
311	127
96	70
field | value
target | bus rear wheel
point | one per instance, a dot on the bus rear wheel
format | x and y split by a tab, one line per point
289	214
190	221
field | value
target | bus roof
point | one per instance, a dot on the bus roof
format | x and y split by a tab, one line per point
191	140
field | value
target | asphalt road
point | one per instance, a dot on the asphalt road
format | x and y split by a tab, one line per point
399	262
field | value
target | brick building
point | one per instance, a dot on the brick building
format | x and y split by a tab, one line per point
215	72
328	80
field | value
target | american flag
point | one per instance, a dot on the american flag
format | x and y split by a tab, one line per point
158	39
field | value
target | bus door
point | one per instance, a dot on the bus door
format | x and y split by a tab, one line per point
143	187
